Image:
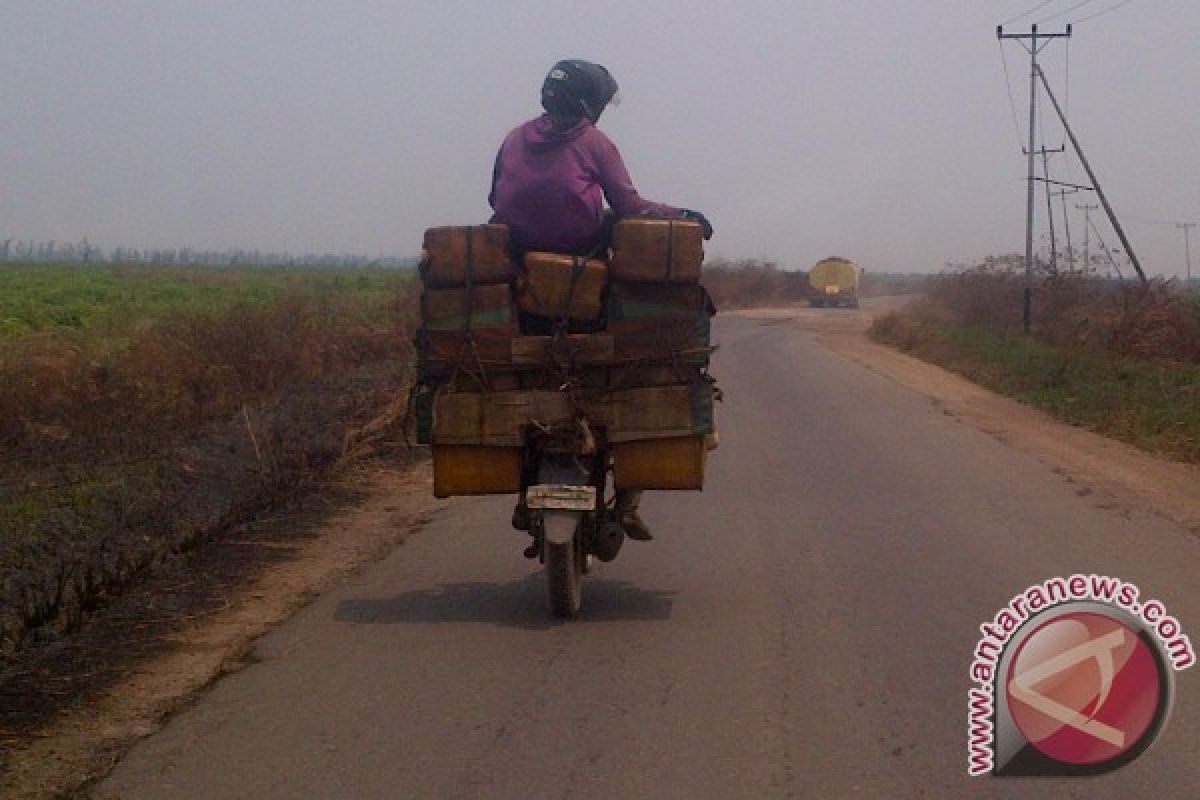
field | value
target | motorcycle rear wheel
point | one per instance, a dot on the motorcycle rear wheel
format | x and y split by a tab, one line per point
564	576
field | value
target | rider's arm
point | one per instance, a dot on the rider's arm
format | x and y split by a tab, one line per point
618	186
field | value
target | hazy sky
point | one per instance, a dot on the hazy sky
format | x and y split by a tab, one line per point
876	130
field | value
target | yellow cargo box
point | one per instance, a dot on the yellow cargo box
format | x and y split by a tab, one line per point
562	286
657	250
676	463
475	469
454	253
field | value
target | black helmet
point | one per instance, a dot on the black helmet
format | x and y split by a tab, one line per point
578	88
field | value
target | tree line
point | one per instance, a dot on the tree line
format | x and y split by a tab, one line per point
83	252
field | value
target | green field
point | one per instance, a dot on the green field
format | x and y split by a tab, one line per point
142	407
111	301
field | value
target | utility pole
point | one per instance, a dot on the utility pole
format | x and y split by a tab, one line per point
1037	41
1186	227
1045	154
1112	215
1087	228
1067	223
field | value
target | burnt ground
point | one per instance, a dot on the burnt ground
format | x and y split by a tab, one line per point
66	682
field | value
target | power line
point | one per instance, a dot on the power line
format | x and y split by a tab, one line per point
1067	101
1112	216
1147	221
1108	252
1067	75
1012	104
1065	11
1025	14
1105	11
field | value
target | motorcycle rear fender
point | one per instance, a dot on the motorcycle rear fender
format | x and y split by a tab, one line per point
558	526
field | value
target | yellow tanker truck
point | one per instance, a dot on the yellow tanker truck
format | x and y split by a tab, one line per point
834	282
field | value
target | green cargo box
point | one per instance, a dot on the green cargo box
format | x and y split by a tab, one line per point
480	351
468	309
650	321
502	418
662	339
497	419
654	412
577	349
642	300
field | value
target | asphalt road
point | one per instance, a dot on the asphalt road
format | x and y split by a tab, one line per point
803	628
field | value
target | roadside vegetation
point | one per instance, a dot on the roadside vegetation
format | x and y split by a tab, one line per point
142	407
1117	358
750	283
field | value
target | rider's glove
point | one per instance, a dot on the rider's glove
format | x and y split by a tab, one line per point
696	216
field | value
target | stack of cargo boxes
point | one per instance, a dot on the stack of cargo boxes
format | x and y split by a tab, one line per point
621	343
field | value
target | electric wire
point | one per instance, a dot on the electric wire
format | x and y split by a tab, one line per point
1067	103
1147	221
1033	10
1105	11
1012	104
1065	11
1067	74
1041	122
1107	252
1045	164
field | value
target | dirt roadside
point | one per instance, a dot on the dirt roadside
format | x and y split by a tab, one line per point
1115	475
154	650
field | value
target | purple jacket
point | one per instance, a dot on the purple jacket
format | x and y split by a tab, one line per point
549	186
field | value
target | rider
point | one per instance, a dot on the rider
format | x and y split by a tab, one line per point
553	173
551	178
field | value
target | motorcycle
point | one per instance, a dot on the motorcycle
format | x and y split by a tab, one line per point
570	519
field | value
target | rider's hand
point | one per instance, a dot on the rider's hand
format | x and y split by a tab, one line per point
696	216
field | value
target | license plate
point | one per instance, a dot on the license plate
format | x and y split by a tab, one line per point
563	498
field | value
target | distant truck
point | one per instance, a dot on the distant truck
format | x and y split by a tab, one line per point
834	282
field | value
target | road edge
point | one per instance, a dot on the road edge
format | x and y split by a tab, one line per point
1123	476
82	745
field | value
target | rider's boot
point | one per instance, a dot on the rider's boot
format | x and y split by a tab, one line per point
520	515
626	510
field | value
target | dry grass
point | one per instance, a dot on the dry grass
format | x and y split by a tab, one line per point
758	284
1159	322
1123	360
749	283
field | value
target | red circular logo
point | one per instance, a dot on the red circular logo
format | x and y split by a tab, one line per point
1084	688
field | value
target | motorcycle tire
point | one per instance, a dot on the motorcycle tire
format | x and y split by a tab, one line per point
564	576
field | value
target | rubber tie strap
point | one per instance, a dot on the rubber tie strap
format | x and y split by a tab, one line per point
670	248
578	265
470	276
